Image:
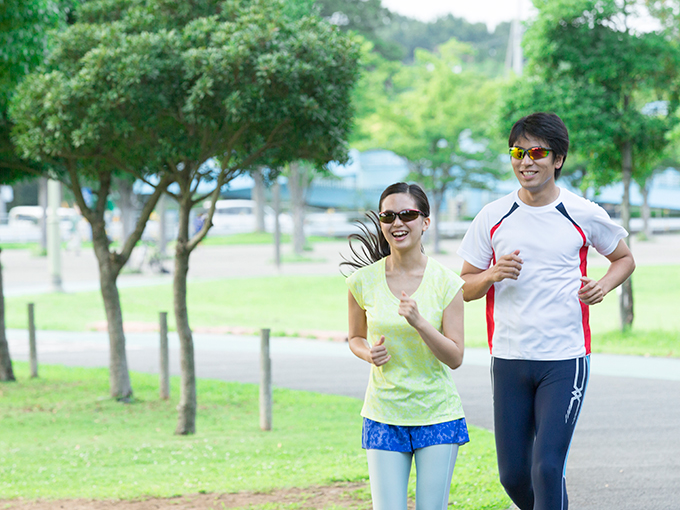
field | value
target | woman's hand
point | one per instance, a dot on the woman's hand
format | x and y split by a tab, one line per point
408	308
378	352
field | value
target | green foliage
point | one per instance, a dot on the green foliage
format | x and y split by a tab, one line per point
24	28
431	117
140	83
24	25
490	48
589	66
363	17
63	437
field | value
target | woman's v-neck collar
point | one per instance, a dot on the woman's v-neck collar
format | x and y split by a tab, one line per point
386	285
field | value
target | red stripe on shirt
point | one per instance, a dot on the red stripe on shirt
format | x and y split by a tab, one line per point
585	309
490	296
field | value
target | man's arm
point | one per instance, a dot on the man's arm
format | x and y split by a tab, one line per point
479	281
621	267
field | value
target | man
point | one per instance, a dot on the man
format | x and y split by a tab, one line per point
526	253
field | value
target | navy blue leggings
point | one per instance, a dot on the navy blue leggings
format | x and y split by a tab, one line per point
536	406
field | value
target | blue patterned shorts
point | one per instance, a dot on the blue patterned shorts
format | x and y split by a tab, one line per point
398	438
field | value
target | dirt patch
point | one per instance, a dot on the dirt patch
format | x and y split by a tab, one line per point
341	495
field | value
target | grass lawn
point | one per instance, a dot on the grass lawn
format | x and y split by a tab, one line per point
63	437
290	304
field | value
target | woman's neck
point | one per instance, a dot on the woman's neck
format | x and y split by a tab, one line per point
406	262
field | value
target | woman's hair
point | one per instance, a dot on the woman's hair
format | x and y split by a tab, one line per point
547	127
374	246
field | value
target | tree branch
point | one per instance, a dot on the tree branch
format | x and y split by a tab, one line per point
124	255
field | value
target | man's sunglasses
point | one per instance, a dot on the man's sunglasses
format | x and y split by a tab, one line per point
405	215
534	153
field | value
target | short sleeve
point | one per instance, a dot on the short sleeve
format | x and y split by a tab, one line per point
453	285
603	232
355	285
475	248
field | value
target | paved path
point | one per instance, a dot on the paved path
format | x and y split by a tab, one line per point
626	450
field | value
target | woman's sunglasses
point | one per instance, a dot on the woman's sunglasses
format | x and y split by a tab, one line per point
534	153
405	215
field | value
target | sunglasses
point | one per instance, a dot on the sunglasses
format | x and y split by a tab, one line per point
405	215
534	153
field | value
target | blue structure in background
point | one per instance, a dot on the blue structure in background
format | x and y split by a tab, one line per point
359	183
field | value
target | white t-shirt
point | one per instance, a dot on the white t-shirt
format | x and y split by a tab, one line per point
539	316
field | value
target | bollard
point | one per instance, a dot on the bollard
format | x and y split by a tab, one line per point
265	382
33	354
164	368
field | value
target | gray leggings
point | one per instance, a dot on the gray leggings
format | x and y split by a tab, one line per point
389	473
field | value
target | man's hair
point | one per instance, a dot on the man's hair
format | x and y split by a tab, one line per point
547	127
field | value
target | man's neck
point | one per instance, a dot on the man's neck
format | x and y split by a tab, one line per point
545	196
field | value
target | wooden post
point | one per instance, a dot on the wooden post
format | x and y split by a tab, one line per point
33	353
164	369
265	382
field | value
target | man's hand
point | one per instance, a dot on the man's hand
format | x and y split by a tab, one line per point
508	266
591	292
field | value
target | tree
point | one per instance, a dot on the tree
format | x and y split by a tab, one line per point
79	132
281	89
175	85
590	65
363	17
435	116
24	25
490	48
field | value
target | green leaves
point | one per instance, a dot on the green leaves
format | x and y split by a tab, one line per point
431	110
165	80
589	66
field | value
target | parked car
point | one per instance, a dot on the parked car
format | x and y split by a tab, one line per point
26	218
238	216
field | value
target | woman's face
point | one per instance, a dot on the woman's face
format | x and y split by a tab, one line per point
402	235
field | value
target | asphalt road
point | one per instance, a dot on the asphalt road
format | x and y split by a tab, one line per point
626	449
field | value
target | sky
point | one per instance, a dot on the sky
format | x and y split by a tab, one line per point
490	12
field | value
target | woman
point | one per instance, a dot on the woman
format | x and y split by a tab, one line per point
406	320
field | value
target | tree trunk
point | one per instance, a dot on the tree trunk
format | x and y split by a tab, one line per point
119	377
436	207
127	206
626	291
646	213
258	197
42	202
186	423
276	192
297	184
162	225
6	372
110	265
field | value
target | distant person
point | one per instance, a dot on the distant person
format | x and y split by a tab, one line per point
526	253
199	221
406	320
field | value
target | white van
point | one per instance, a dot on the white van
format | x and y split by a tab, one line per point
27	218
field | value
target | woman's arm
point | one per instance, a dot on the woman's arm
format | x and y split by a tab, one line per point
449	345
358	331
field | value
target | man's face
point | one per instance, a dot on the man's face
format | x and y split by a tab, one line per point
535	176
